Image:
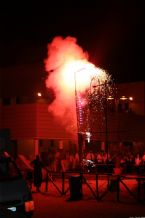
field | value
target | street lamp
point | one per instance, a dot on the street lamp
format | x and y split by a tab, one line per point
80	133
39	94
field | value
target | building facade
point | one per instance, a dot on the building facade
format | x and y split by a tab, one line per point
33	129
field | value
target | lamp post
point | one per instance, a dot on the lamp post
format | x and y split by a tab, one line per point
80	137
106	119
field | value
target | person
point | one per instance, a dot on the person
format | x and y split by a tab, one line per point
90	156
76	162
37	176
137	163
57	161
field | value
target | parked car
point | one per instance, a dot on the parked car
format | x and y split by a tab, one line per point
6	213
15	194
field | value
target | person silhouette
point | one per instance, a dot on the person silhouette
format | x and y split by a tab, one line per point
37	173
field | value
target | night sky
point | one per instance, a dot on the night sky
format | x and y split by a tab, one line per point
113	33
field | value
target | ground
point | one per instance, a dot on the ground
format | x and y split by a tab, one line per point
51	204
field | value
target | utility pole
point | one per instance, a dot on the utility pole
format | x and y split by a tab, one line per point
106	119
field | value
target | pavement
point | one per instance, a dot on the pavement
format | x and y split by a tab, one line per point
51	204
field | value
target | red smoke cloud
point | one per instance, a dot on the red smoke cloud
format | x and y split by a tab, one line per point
68	70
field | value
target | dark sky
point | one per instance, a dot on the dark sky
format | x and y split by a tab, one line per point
113	33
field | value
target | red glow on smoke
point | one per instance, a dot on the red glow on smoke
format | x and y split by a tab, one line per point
68	70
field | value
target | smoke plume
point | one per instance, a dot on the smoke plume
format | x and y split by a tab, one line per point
69	71
61	53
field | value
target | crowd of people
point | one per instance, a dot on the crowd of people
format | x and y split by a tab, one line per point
71	162
66	161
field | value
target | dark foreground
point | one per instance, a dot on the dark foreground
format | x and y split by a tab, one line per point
51	205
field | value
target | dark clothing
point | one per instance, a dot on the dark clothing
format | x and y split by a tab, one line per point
37	172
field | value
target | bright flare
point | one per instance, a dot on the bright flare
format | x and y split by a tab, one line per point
69	71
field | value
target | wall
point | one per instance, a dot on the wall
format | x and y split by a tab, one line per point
26	147
21	120
137	91
28	121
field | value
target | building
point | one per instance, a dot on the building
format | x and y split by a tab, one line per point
33	129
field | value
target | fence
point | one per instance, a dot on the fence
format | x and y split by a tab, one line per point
103	184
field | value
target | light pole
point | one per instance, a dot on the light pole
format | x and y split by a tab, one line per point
80	137
106	119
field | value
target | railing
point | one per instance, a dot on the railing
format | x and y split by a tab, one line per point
113	183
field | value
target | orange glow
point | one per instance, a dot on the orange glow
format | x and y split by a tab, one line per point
131	98
39	94
123	98
110	98
29	206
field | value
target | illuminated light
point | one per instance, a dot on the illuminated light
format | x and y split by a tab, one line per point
110	98
72	77
131	98
29	206
123	98
82	72
12	209
39	94
88	136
